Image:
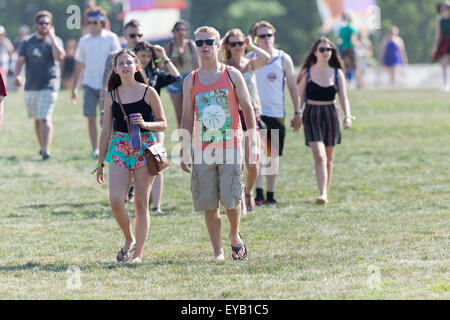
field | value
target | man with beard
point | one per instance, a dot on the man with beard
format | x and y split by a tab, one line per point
42	53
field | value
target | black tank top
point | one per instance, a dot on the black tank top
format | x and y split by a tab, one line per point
319	93
140	106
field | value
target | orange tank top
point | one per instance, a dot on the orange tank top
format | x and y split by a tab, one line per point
217	124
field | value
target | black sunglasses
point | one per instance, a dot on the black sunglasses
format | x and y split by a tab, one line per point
262	36
43	23
93	22
208	42
322	50
180	29
134	35
237	43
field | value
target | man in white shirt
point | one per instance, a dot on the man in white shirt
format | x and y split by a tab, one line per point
92	52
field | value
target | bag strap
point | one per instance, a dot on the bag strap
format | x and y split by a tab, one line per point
229	77
125	117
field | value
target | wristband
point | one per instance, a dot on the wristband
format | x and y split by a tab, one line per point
250	47
298	112
100	165
350	117
160	59
102	111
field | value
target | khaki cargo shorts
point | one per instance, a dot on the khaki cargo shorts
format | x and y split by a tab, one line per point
211	183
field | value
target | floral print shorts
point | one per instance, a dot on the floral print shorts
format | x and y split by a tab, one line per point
122	154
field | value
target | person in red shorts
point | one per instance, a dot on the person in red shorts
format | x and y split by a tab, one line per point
3	94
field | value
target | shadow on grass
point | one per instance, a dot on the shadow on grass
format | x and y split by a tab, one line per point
107	265
86	209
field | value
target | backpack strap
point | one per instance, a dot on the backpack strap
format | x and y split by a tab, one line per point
229	77
170	50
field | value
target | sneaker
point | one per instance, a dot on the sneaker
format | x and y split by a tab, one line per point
260	202
272	202
131	193
94	154
45	155
157	210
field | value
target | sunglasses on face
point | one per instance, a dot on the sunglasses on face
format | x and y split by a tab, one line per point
43	23
262	36
93	22
134	35
208	42
237	43
322	50
180	29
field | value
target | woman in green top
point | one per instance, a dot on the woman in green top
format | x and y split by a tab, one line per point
184	56
348	40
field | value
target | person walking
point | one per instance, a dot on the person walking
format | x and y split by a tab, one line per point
185	58
42	53
3	94
441	48
92	51
212	93
393	53
234	45
347	43
364	53
6	51
128	91
68	65
271	79
150	57
320	78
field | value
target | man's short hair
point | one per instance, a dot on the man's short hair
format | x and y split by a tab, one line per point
212	31
261	24
43	13
133	23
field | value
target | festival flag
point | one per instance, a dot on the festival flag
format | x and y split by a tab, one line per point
157	17
366	13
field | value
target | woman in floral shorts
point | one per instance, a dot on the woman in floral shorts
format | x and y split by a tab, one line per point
126	84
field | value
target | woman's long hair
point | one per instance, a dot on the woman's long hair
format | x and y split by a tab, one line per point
311	59
114	80
225	52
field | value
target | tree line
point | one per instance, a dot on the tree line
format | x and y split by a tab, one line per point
297	22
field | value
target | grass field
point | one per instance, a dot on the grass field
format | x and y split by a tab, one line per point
385	234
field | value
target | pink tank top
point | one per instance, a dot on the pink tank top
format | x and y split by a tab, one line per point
217	124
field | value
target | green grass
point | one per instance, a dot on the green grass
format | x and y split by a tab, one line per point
389	212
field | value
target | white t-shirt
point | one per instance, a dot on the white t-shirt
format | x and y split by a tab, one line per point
93	52
270	80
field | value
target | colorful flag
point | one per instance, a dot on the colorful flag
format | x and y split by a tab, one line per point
144	5
365	13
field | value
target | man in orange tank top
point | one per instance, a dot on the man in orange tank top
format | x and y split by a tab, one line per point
211	95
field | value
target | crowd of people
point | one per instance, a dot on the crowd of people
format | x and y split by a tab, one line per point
229	102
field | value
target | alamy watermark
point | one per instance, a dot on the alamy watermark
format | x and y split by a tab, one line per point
74	19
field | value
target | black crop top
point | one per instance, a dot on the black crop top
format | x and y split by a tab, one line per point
319	93
140	106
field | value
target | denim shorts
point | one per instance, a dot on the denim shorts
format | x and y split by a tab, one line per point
177	87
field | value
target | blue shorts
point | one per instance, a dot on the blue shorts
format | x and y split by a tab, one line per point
177	87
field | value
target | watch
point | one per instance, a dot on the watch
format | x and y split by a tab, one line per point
299	112
167	61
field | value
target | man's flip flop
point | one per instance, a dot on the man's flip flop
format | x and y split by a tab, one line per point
238	248
126	254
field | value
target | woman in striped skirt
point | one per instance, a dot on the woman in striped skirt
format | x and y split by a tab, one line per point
320	78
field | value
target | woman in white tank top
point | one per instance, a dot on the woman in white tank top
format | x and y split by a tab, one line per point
232	53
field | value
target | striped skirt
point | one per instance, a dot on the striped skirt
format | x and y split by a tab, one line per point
322	123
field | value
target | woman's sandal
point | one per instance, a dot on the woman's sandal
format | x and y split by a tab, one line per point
238	248
126	254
